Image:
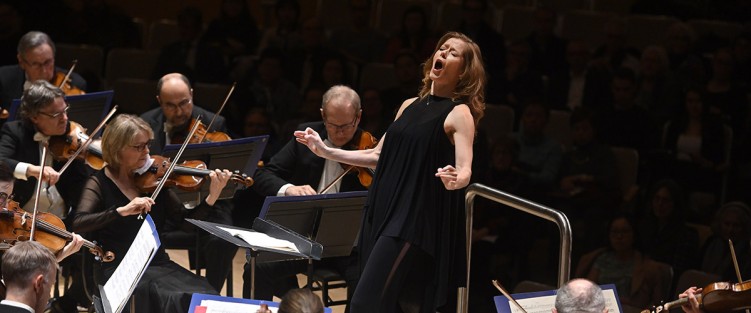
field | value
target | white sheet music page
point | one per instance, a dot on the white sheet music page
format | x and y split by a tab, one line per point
545	304
262	240
126	276
213	306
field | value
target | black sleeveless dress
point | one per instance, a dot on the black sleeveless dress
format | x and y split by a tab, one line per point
408	202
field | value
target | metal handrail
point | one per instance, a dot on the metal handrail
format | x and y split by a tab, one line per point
564	229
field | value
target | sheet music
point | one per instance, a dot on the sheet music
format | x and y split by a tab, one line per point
126	276
262	240
213	306
545	304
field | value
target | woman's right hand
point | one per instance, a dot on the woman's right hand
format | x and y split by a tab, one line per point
312	140
136	206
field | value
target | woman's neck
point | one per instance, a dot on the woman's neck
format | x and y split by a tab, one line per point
441	91
121	174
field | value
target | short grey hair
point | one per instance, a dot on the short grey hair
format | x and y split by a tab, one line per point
26	259
39	95
34	39
343	93
580	298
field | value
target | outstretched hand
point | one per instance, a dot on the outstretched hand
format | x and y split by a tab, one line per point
312	140
450	178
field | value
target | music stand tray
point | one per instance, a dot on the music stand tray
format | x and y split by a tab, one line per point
330	219
87	109
239	154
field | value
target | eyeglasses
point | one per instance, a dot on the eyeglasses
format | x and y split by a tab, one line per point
142	146
181	105
344	127
56	115
38	65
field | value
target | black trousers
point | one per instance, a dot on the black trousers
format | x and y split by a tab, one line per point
397	277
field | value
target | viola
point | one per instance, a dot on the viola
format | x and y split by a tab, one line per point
201	135
66	84
716	297
63	147
15	226
188	176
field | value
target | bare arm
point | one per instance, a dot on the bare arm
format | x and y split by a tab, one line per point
362	158
460	127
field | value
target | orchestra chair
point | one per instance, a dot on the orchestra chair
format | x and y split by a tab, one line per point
191	242
325	279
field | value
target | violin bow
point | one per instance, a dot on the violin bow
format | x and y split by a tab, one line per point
508	296
218	112
88	140
337	179
39	189
173	164
67	76
735	264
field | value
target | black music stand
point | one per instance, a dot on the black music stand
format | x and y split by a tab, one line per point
331	219
309	249
239	154
87	109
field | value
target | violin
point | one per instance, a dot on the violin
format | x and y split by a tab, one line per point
187	176
364	174
366	141
65	83
63	147
201	135
716	297
15	226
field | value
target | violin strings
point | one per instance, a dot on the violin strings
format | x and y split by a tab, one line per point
61	233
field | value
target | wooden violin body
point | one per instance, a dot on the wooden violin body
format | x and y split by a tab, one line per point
201	135
716	297
188	176
366	141
15	226
63	147
67	86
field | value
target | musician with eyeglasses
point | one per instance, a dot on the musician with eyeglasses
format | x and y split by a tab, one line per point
172	120
36	61
43	115
295	171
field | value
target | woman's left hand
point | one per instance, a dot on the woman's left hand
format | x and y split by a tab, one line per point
219	179
451	178
72	247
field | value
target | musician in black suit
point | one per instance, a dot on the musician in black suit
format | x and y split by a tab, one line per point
28	287
295	171
36	61
171	120
44	116
170	123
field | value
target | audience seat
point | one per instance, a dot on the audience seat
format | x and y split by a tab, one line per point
210	96
389	14
516	22
585	26
720	29
334	14
614	6
627	160
162	33
378	76
696	278
498	121
129	63
645	30
559	127
90	57
134	96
